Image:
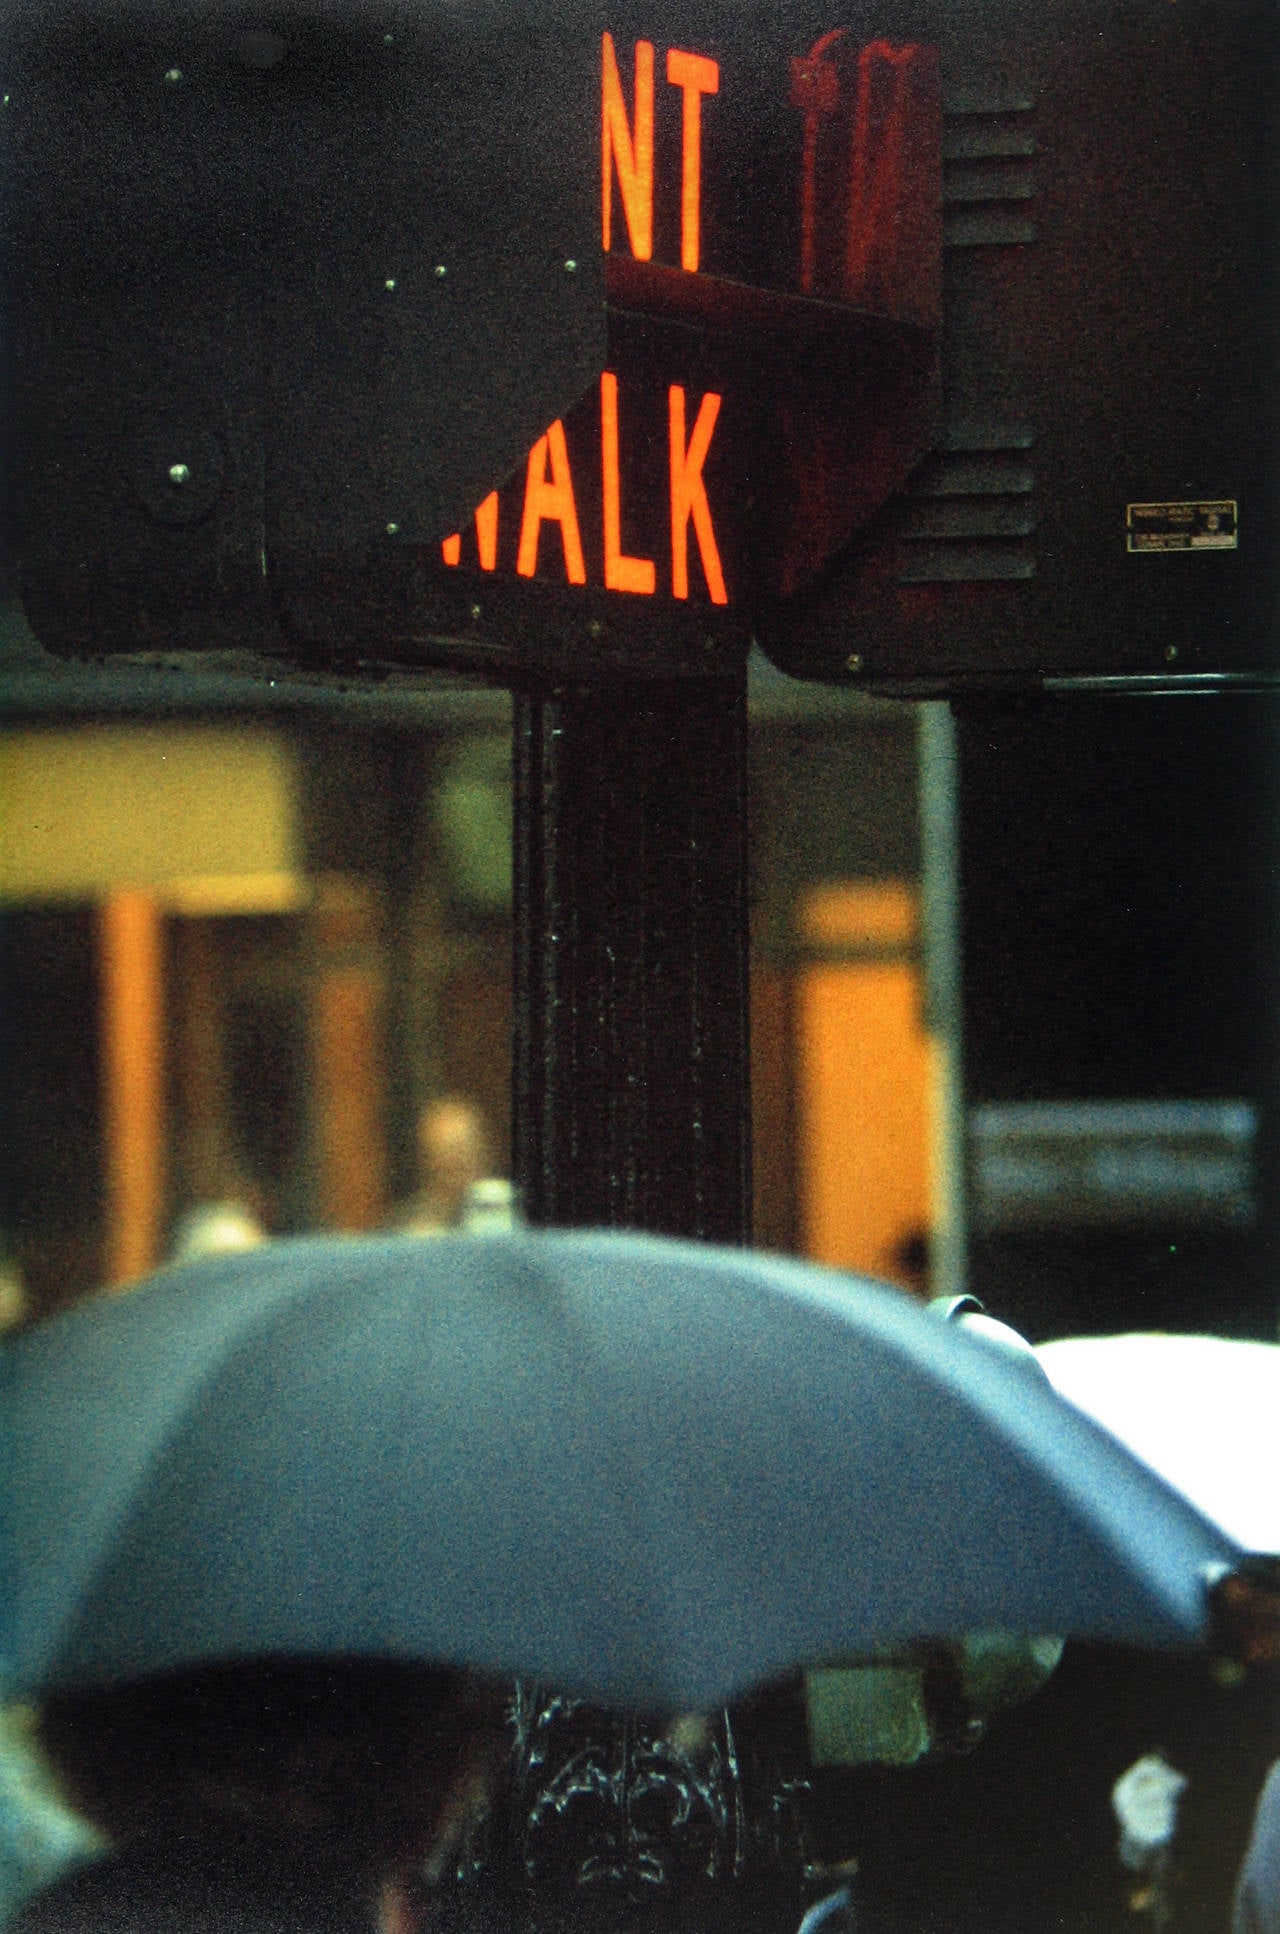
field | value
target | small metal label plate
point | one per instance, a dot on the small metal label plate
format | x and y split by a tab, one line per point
1181	527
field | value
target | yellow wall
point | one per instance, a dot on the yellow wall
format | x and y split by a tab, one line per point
83	812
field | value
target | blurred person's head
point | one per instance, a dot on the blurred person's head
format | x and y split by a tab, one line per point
263	1796
453	1155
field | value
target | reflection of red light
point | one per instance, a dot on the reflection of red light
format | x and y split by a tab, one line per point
633	157
815	90
870	176
877	142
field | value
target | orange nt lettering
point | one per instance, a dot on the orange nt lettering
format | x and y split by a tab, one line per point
695	75
634	157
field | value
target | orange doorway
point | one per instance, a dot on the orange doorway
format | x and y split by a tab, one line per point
863	1082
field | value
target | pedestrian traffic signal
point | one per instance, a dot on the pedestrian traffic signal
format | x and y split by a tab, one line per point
930	345
382	331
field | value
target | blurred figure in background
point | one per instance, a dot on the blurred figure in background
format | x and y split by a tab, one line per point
1256	1909
14	1310
270	1796
458	1188
39	1837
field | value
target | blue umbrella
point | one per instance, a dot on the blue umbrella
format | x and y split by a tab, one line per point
653	1473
